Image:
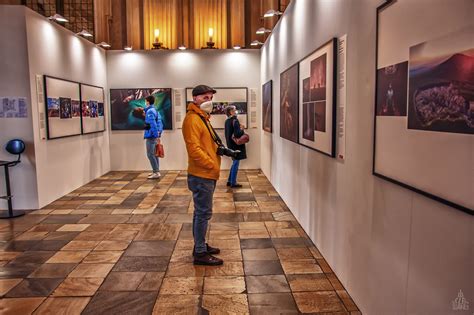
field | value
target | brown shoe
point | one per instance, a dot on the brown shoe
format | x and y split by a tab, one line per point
210	250
207	260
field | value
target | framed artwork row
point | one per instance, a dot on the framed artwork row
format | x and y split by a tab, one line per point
307	101
424	101
72	108
226	96
127	107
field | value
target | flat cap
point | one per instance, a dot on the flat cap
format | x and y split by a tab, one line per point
203	89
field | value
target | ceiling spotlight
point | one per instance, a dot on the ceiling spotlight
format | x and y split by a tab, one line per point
84	33
263	30
182	47
271	13
236	47
256	43
128	48
58	18
104	45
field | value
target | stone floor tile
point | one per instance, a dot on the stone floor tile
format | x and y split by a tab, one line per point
63	305
316	302
224	285
309	282
166	304
267	284
78	287
91	271
34	288
260	254
226	304
122	281
48	271
181	285
112	303
8	284
23	306
303	266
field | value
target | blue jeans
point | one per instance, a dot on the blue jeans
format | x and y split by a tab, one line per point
150	153
233	172
203	190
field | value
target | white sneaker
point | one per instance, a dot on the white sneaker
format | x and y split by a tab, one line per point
154	176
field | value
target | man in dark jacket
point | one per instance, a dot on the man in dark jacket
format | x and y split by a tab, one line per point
233	127
153	130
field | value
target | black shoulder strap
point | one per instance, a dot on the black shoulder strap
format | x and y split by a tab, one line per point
213	134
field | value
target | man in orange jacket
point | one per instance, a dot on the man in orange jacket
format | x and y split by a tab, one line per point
203	170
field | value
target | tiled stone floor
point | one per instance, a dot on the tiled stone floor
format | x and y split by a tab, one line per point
122	244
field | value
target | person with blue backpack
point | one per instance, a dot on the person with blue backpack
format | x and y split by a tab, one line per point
153	130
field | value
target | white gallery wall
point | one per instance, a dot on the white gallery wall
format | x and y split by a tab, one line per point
14	82
179	70
65	164
394	250
50	168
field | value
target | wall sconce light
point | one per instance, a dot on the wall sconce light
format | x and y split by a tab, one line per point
256	43
263	30
210	43
182	47
84	33
104	45
236	47
271	13
128	48
58	18
156	44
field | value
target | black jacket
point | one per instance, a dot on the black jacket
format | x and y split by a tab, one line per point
232	126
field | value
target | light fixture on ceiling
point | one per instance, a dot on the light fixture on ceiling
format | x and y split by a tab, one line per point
256	43
128	48
182	47
84	33
58	18
104	45
271	13
263	30
236	47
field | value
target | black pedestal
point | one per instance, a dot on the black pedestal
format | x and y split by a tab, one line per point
10	213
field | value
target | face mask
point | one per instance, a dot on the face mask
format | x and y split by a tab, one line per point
206	107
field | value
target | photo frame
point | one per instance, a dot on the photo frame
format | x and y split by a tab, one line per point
62	104
289	103
225	96
92	109
317	99
127	107
423	126
267	106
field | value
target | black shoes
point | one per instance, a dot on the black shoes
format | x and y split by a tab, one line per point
236	186
206	258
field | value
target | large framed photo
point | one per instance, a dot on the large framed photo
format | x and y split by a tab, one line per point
226	96
63	109
127	106
289	103
92	109
317	94
424	102
267	106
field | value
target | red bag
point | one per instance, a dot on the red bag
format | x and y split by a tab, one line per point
242	140
159	150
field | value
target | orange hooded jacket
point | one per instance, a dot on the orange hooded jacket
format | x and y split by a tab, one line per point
203	160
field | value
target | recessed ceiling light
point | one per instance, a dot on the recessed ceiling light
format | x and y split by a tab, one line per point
58	18
271	13
84	33
263	30
104	45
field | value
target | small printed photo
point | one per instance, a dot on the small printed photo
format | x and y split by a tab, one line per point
76	108
85	109
93	109
308	121
306	96
318	79
320	116
53	107
392	90
100	108
65	110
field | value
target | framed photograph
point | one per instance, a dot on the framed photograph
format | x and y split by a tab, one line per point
224	97
62	100
127	106
267	108
317	94
91	109
424	101
289	104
